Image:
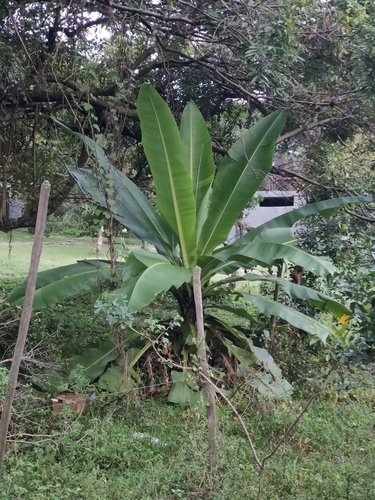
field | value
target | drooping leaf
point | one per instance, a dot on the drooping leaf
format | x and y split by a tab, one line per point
181	391
129	206
270	387
127	203
244	356
266	359
55	285
156	275
112	380
295	291
174	192
50	381
288	219
197	156
95	358
295	318
269	382
249	160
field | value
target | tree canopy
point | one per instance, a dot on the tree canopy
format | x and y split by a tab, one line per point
84	62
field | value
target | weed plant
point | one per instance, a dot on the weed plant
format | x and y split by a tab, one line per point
141	450
137	447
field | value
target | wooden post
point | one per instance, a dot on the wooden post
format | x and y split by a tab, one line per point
99	240
276	293
25	317
208	390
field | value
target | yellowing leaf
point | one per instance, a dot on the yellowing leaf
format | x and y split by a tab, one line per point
344	319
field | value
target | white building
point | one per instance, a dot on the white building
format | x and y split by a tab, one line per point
272	203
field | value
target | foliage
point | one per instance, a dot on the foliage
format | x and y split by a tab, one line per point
3	382
71	220
195	211
85	63
110	451
345	237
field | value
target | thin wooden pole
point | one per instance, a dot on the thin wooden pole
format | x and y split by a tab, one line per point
276	293
208	390
25	317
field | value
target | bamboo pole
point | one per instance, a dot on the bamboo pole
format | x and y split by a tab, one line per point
25	317
208	390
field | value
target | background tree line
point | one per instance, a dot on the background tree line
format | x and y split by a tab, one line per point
84	62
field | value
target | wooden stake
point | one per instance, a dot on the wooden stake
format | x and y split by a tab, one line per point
25	318
208	390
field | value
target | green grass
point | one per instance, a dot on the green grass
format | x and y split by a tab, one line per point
108	452
111	452
57	251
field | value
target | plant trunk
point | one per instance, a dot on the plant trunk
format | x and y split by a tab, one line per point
208	390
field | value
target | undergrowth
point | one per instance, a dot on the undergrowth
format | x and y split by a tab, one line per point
145	449
134	446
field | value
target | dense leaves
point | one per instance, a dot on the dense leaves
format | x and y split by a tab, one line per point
84	63
146	274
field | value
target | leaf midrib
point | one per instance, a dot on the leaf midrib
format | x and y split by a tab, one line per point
218	219
174	199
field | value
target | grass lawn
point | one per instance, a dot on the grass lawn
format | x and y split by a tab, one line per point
57	251
135	446
133	449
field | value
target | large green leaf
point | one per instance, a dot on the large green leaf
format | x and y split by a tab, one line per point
271	252
128	204
95	358
182	391
249	160
290	218
294	291
295	318
269	241
156	275
271	245
174	192
55	285
197	156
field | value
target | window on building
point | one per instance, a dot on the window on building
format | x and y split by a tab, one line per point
277	201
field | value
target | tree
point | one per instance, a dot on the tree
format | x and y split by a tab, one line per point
195	212
236	60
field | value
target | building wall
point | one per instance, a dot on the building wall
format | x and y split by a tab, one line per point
278	203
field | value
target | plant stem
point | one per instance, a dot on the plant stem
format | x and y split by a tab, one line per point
276	293
203	366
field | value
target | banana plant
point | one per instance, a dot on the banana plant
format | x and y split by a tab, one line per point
197	204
